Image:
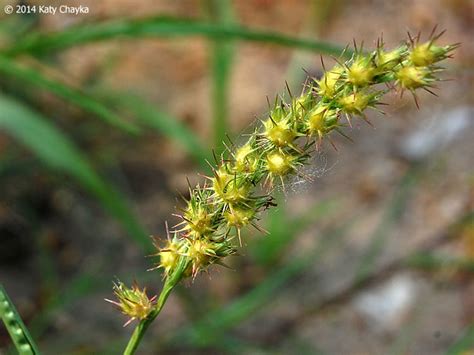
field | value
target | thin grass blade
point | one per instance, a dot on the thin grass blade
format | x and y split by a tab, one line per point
161	26
58	152
68	93
19	334
146	114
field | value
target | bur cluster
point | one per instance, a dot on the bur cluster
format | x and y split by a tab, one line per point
244	177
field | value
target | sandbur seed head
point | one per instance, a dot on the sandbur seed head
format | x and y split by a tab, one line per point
389	60
280	133
200	251
169	255
355	103
279	163
327	85
245	160
301	104
203	252
361	72
412	77
199	219
239	217
231	188
422	55
321	120
426	54
133	302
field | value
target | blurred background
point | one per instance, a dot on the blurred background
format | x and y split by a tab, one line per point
103	116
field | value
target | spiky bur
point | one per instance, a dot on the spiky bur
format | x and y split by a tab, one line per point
243	180
133	302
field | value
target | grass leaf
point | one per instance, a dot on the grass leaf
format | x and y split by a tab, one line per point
19	334
68	93
38	43
59	153
148	115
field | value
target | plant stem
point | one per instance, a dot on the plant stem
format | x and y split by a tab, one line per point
19	334
170	282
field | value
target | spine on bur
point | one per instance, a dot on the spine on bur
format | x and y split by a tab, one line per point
244	178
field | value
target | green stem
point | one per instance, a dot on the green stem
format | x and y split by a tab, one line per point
170	282
19	334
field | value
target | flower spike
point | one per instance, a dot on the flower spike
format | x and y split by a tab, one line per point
244	177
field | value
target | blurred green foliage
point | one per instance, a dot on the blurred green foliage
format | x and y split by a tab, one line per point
69	160
25	64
